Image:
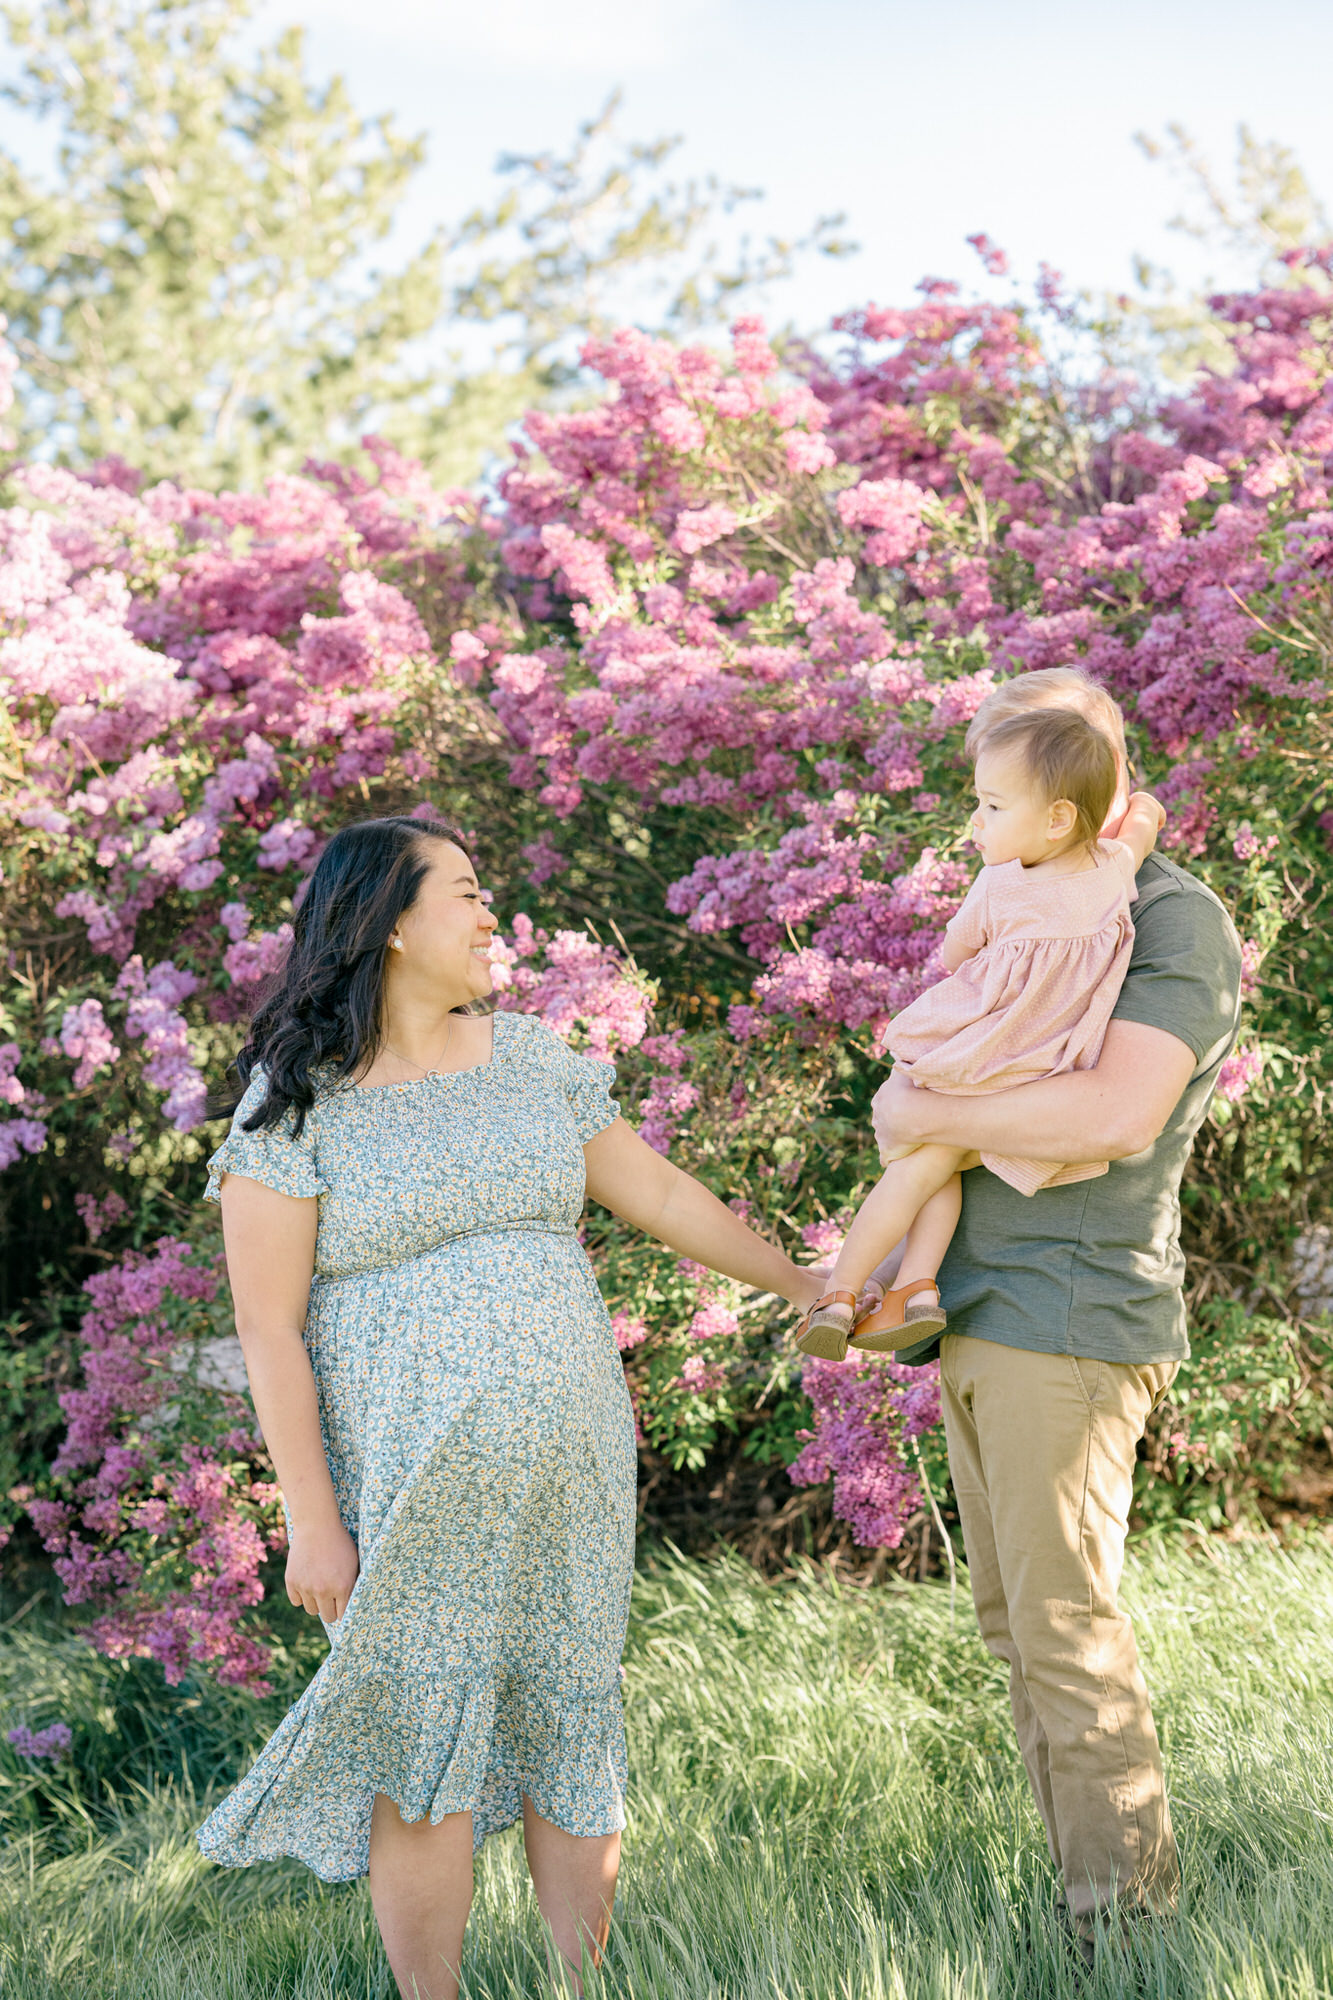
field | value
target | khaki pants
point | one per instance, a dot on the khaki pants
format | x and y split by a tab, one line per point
1041	1448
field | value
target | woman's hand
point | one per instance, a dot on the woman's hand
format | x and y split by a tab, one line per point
322	1566
807	1283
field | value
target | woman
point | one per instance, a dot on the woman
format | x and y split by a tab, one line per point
434	1373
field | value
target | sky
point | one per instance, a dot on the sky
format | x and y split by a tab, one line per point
924	122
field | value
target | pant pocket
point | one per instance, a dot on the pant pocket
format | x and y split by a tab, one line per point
1165	1376
1087	1378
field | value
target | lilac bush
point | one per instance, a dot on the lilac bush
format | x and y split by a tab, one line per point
695	679
51	1743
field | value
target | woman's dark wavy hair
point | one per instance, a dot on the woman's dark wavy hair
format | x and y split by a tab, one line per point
327	1011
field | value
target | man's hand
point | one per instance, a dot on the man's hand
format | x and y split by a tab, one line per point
1106	1113
892	1109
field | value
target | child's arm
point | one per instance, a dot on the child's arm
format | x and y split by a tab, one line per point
954	952
965	932
1143	821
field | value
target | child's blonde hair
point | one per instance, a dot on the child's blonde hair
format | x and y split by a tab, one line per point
1046	688
1064	756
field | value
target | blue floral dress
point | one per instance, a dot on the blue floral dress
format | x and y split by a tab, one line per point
479	1433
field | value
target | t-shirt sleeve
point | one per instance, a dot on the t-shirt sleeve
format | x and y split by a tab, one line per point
1184	973
272	1156
968	927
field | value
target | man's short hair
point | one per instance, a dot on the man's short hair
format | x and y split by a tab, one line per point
1049	687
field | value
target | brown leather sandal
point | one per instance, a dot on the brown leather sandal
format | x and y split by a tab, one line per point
895	1323
824	1333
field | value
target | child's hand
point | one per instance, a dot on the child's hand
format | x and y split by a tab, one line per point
1144	819
1148	804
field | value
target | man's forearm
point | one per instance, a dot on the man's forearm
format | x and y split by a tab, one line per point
1107	1113
1075	1118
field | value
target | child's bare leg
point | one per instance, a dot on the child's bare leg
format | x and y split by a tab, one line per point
889	1211
925	1243
931	1234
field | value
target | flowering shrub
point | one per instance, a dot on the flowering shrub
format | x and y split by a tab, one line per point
861	1416
165	1517
51	1743
696	680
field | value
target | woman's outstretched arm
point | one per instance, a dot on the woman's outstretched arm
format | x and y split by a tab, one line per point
643	1188
270	1240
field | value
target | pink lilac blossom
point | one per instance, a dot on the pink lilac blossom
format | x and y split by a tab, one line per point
545	860
826	1237
713	1321
125	1337
1239	1073
25	1134
582	989
250	959
697	528
700	1377
997	264
99	1216
84	1035
152	1015
1251	958
200	683
891	508
131	1332
863	1412
287	844
1247	845
629	1329
664	1110
47	1744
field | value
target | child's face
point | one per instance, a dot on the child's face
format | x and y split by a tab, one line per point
1009	823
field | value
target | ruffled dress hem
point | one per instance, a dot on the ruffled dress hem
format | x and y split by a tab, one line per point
430	1777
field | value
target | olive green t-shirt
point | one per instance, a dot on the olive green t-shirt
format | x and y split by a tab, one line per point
1095	1268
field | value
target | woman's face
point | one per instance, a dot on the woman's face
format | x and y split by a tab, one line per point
446	935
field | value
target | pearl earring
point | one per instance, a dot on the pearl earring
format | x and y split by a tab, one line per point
395	944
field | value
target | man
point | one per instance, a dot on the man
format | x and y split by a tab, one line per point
1066	1329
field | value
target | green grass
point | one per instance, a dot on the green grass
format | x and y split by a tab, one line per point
826	1802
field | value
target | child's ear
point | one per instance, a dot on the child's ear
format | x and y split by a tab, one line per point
1063	819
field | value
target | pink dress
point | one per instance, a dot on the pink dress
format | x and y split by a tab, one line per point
1051	955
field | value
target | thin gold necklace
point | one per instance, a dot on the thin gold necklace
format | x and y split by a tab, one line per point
436	1071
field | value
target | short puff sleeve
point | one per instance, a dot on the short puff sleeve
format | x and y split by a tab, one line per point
968	926
272	1156
587	1085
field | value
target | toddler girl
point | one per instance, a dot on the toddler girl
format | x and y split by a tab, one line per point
1036	957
